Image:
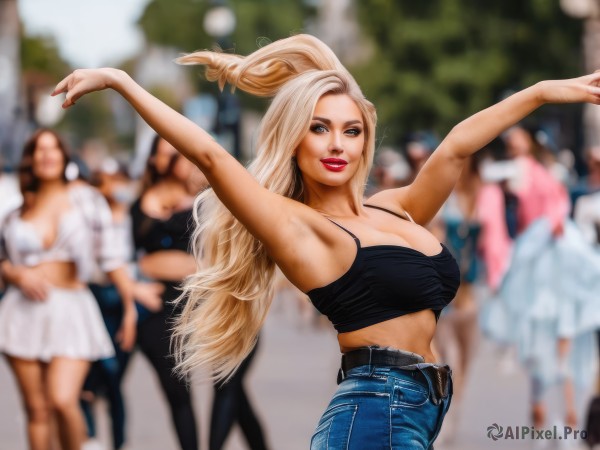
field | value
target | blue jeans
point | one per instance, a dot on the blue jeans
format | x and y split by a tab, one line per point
382	407
106	375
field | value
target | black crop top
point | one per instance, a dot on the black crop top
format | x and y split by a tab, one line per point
151	234
387	281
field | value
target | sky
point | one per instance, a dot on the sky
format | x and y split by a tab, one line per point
89	33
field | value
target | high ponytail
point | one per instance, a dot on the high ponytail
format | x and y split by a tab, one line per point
226	302
263	72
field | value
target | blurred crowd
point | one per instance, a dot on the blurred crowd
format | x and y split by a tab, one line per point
523	224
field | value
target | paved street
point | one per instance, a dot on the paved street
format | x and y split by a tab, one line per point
290	383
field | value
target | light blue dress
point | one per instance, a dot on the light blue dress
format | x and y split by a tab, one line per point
551	291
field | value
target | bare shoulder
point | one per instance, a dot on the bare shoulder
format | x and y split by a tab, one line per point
311	250
391	199
300	227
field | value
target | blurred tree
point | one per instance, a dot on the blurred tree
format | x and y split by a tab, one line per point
438	61
179	24
39	54
42	67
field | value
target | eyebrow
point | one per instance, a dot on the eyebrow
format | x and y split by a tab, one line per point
328	122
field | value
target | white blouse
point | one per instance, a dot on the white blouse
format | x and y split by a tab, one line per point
85	236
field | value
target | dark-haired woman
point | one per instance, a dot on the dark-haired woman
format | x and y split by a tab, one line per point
162	221
50	324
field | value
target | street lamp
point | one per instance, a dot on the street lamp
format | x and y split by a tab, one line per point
589	12
219	23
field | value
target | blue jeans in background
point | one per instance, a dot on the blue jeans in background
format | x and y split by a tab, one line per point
382	407
106	375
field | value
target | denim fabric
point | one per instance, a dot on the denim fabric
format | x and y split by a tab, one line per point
380	407
106	375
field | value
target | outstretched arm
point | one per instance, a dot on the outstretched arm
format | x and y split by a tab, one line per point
425	196
256	207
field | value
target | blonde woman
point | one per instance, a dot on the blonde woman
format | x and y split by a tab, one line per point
372	267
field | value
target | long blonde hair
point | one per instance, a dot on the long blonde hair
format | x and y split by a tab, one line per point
226	302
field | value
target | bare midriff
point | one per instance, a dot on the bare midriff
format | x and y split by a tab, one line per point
167	265
411	332
60	274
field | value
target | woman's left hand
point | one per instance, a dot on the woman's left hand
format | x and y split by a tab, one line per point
84	81
127	332
584	89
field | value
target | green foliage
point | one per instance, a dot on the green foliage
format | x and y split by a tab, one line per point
179	23
43	66
40	55
438	61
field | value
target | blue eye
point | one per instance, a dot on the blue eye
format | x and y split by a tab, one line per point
318	128
354	132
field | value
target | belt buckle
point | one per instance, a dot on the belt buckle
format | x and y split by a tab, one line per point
439	383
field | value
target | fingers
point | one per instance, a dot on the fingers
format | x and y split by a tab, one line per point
66	86
125	337
69	100
36	293
594	90
593	78
61	86
73	86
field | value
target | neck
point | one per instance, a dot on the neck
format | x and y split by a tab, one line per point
333	202
171	183
50	187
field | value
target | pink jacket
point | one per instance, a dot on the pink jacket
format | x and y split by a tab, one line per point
540	194
495	245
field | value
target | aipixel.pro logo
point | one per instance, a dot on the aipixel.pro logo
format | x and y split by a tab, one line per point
496	432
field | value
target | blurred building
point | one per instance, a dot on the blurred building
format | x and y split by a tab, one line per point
337	25
156	72
589	12
13	124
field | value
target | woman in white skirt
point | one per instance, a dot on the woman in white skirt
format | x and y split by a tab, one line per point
50	324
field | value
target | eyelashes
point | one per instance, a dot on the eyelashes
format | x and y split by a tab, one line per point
319	128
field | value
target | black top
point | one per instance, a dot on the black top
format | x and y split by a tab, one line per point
387	281
151	234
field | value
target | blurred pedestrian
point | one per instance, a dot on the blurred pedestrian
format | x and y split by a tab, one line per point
475	233
380	277
390	170
11	200
106	375
587	217
589	183
545	307
162	225
50	324
231	405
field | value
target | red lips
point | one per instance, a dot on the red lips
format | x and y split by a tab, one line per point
334	164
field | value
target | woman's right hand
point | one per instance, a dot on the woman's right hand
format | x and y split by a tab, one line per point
84	81
575	90
148	294
31	284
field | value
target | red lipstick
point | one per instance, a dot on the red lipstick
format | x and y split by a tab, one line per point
334	164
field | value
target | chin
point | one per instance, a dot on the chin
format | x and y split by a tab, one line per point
48	177
334	183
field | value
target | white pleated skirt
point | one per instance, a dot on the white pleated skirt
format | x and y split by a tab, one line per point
67	324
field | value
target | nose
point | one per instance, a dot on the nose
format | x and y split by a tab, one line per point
335	142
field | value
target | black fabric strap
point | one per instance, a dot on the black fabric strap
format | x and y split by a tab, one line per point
378	356
347	231
388	211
